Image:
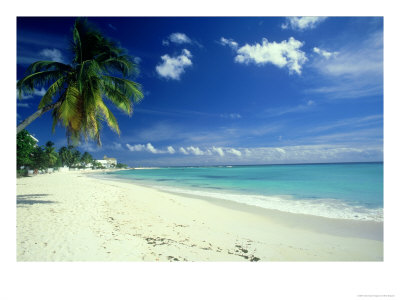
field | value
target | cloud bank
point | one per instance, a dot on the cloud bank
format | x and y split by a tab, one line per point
267	155
150	148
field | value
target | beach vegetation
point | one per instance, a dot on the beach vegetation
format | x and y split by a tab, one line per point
39	158
69	156
31	156
51	154
25	146
97	165
78	94
121	166
87	158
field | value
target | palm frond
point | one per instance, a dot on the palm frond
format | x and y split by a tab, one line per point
69	112
129	88
47	65
109	116
122	64
27	84
77	45
54	89
119	99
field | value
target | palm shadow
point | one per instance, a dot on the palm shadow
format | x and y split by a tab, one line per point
30	199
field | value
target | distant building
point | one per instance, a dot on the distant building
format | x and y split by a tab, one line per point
108	162
35	139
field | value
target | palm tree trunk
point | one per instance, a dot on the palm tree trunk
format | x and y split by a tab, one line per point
36	115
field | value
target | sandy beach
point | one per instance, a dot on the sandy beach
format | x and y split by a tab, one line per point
75	217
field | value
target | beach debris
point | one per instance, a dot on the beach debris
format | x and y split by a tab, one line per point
243	252
171	258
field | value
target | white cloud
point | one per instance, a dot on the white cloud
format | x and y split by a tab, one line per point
171	150
310	102
359	59
89	147
279	111
179	38
23	104
218	150
355	71
116	146
229	42
234	151
52	54
183	150
169	133
350	122
304	153
231	116
36	92
151	149
283	54
174	67
138	147
40	92
324	53
302	23
209	151
313	153
195	150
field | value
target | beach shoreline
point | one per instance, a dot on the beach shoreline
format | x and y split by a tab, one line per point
342	227
74	217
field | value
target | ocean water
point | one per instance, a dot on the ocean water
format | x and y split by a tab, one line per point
344	191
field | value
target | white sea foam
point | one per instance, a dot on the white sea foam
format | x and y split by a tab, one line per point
329	208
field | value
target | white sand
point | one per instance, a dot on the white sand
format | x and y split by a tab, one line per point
72	217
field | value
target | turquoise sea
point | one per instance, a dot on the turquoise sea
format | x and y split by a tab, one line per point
340	190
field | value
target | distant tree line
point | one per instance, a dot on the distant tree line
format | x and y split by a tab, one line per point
35	157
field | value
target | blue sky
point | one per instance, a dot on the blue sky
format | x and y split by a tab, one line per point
232	90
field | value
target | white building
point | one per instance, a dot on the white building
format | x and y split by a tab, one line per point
35	139
108	162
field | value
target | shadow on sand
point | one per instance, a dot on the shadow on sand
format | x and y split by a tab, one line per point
30	199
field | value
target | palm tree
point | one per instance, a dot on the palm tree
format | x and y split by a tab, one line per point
76	92
65	155
51	154
86	158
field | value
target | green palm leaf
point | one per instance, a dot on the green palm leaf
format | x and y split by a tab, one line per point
55	88
109	117
129	88
47	65
38	79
